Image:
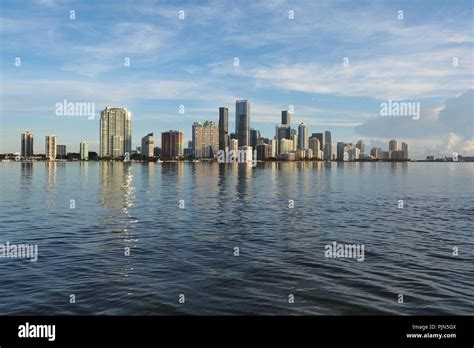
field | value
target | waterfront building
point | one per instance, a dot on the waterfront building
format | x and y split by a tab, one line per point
50	147
84	150
242	122
115	132
205	139
172	144
148	144
26	144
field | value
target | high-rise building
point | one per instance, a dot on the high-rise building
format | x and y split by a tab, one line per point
172	144
340	151
50	147
84	150
274	144
286	118
148	145
61	151
254	137
354	153
26	144
205	139
282	132
234	145
405	151
361	146
393	145
115	132
327	146
315	146
223	128
286	145
264	152
375	152
242	122
320	137
303	136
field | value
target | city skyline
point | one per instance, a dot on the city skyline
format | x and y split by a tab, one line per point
337	82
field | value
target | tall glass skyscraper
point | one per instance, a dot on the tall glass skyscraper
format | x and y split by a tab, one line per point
286	118
223	128
327	146
303	136
115	132
242	122
26	144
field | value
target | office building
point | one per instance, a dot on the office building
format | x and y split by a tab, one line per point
264	152
286	118
84	150
320	137
223	128
205	139
61	151
286	145
361	146
327	146
393	145
148	145
242	122
115	132
50	147
314	145
254	137
26	144
172	144
274	144
405	151
303	143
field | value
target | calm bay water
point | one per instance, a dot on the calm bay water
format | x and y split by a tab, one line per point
190	251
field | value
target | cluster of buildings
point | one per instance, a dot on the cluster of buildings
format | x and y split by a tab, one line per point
209	138
52	150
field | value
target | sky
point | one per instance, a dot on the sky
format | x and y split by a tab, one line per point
334	61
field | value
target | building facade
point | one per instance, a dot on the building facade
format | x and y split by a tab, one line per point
26	144
50	147
242	122
172	144
205	139
223	128
303	136
115	132
148	145
84	150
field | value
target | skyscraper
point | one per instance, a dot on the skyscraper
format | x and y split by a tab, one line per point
84	150
148	145
254	136
223	128
405	151
286	118
115	132
393	145
242	122
205	139
327	146
50	146
26	144
172	143
61	151
315	146
303	136
320	137
361	146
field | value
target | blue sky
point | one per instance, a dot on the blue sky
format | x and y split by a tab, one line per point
282	62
